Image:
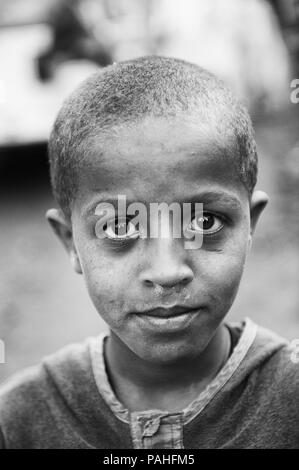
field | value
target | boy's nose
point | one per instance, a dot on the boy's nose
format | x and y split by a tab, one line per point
167	265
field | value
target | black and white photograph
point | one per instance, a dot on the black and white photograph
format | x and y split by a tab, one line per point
149	227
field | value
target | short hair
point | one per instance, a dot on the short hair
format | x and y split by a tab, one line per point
129	91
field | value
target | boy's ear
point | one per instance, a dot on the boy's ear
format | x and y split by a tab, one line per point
62	228
258	202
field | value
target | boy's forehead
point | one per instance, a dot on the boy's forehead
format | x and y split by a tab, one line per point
160	157
152	136
160	143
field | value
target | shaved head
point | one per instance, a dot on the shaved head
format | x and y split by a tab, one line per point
130	91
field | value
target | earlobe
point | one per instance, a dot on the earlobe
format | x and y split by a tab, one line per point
62	228
75	262
258	202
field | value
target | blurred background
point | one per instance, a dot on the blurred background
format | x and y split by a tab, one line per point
46	49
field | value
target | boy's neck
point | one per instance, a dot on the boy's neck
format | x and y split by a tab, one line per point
141	385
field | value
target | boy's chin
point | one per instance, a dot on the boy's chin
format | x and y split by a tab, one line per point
170	352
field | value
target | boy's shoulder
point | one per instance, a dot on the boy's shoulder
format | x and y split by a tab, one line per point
41	394
36	380
272	362
272	388
283	366
276	352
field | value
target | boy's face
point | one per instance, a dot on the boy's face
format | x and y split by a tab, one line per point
162	160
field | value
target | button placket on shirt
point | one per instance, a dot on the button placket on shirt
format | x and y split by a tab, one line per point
157	430
150	427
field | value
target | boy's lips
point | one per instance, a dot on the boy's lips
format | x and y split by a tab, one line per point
168	312
168	319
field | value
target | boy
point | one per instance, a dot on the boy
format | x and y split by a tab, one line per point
171	373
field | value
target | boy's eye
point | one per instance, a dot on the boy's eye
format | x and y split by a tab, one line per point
206	223
120	229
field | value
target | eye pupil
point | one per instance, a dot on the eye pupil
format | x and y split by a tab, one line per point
121	228
206	221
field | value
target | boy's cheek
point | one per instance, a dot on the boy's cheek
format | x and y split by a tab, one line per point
224	276
108	287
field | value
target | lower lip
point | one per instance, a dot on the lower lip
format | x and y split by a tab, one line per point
177	322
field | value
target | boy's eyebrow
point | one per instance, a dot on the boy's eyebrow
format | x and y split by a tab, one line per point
104	198
206	197
216	196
